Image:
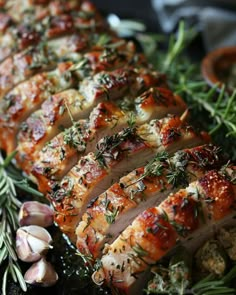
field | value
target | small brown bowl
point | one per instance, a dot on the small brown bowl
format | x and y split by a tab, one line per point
219	67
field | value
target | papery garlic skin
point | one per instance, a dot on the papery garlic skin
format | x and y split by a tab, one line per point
32	242
42	274
35	213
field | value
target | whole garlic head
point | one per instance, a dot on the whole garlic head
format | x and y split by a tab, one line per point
32	242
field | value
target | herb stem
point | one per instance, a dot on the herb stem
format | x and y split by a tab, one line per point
10	178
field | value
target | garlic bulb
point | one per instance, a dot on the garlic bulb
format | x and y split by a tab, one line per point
32	242
41	273
35	213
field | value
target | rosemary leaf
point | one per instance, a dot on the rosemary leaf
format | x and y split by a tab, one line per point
24	185
12	271
20	277
4	281
211	110
9	179
3	254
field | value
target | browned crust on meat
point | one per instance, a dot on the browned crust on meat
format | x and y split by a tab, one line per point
203	203
135	189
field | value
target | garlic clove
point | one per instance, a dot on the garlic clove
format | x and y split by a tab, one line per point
41	273
32	242
38	232
23	249
35	213
37	245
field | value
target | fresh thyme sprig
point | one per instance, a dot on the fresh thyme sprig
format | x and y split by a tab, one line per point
9	206
163	165
109	143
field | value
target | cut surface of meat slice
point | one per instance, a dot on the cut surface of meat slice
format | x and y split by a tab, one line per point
142	188
17	37
115	156
63	151
184	215
23	65
27	97
64	108
60	154
42	57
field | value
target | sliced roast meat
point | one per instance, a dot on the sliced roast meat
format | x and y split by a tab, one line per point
143	188
27	97
60	154
44	56
115	156
62	109
182	217
38	10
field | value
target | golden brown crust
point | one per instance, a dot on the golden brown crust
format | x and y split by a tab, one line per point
220	195
34	59
95	171
45	123
141	189
25	99
148	239
63	151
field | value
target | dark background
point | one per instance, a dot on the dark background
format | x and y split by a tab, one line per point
139	10
143	11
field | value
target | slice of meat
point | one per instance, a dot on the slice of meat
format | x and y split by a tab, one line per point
60	154
23	65
38	10
141	189
27	97
44	56
86	19
64	108
184	215
19	98
115	156
64	19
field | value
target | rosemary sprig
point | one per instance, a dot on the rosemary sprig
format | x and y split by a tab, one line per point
177	45
211	285
212	110
186	80
9	205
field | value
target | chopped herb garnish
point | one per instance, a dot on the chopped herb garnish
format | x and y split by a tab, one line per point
139	250
109	143
111	215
